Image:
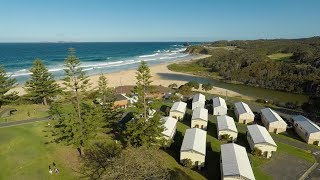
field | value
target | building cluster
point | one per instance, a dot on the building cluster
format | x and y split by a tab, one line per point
234	160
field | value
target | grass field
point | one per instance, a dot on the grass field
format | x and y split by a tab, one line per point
24	112
280	56
25	154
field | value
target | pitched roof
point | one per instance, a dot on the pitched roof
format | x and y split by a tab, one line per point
242	108
120	97
271	116
306	124
199	97
169	125
226	123
194	139
200	113
179	106
259	134
218	101
235	161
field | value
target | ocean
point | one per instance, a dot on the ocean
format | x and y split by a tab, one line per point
96	58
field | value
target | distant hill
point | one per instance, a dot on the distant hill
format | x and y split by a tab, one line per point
291	65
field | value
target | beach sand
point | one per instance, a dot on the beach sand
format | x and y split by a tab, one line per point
127	77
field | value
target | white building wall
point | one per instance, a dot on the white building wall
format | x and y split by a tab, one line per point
245	118
198	123
266	149
176	115
232	134
194	156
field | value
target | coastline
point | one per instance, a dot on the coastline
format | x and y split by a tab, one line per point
127	77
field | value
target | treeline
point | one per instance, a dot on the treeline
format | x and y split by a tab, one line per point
248	62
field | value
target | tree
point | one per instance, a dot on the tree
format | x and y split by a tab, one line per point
132	163
41	86
99	157
107	99
69	130
143	86
144	132
207	87
185	90
75	79
79	124
173	85
6	83
193	84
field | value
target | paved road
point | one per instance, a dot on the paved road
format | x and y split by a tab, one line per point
16	123
315	174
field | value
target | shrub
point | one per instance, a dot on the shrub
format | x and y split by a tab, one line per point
193	84
257	152
187	163
207	87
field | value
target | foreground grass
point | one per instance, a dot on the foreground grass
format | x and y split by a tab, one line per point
25	111
280	56
25	154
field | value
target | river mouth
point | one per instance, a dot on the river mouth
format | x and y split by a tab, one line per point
254	92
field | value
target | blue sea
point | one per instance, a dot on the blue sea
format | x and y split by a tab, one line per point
96	58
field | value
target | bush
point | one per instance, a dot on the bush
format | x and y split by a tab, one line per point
185	90
187	163
207	87
257	152
173	86
193	84
225	137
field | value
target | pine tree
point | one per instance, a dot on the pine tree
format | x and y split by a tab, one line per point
143	131
142	88
107	99
6	83
75	79
78	125
41	86
67	129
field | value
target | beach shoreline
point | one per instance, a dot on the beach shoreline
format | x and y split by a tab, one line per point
127	77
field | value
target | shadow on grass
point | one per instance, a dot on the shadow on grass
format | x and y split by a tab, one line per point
189	103
212	165
242	141
212	129
210	108
178	174
292	134
174	149
187	119
165	109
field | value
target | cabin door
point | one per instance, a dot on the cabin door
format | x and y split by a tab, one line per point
275	131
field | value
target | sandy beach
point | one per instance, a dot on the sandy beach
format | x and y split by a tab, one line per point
127	77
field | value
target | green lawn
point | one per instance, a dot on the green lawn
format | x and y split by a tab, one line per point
280	56
25	154
25	111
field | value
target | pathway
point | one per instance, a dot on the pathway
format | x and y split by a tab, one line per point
16	123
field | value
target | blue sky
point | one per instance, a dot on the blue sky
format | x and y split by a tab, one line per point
156	20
